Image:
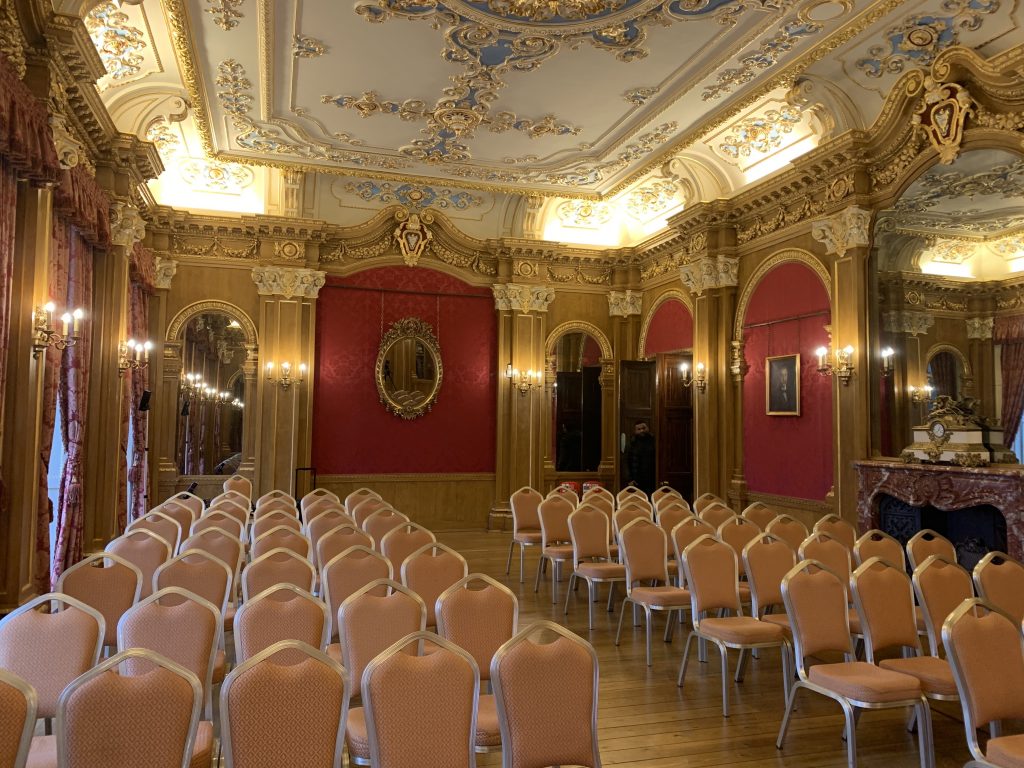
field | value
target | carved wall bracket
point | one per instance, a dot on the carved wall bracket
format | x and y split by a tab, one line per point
522	298
980	327
624	303
850	228
165	271
287	282
709	272
912	323
126	225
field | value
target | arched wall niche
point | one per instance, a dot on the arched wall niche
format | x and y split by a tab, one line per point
789	255
662	302
578	326
936	349
176	328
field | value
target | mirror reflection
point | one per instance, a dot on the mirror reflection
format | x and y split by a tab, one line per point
408	368
211	395
577	403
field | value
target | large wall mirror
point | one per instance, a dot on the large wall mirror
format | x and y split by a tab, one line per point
576	405
409	370
211	395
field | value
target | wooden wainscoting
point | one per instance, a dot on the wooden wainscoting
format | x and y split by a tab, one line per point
443	502
807	511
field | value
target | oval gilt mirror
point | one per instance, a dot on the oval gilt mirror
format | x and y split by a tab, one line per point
408	370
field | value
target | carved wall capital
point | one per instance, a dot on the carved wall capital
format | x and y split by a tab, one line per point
522	298
624	303
980	327
850	228
288	282
912	323
127	227
165	271
709	272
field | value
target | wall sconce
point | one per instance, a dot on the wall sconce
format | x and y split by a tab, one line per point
887	355
919	395
699	377
285	380
524	381
841	368
45	335
133	356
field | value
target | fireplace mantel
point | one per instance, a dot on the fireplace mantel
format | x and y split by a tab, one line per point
949	488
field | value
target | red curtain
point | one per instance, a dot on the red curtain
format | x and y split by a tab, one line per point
1009	332
8	208
138	328
26	141
73	391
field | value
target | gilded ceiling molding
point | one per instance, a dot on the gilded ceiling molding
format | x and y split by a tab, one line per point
910	323
176	328
516	297
788	255
708	272
288	282
579	326
980	328
625	303
850	228
672	294
165	271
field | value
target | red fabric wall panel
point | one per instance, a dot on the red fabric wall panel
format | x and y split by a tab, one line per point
788	455
671	329
353	433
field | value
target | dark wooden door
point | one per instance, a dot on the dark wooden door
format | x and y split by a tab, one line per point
591	418
568	421
637	387
674	432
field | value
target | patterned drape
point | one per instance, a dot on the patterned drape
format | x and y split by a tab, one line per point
8	201
138	325
73	391
1009	332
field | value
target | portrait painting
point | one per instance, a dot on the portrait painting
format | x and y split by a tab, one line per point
782	385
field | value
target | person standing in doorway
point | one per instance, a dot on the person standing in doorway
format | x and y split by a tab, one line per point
640	458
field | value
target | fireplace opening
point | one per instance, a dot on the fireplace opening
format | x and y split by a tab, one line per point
974	531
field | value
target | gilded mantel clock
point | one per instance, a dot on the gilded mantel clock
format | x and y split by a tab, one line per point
954	434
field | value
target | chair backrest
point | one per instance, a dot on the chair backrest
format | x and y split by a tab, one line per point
276	505
266	709
540	724
737	532
222	546
282	612
687	531
624	515
281	536
525	515
18	707
398	543
96	710
323	523
271	521
554	514
766	560
198	572
179	513
367	508
830	552
926	543
983	646
358	496
671	516
235	497
876	543
318	494
402	694
239	484
146	551
664	492
274	496
629	492
712	576
705	500
588	530
106	582
369	622
760	513
838	529
884	598
430	570
635	502
816	604
789	529
222	519
232	510
188	632
598	490
335	541
716	513
479	620
566	493
278	566
346	573
643	547
382	522
999	579
940	585
49	650
162	524
311	510
189	500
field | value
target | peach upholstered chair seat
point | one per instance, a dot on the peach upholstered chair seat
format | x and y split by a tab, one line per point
525	525
146	551
838	529
983	645
108	718
49	650
429	571
940	586
404	688
546	696
278	566
282	612
357	497
398	543
556	544
789	529
275	715
347	573
591	557
926	543
999	579
106	582
222	520
760	513
163	525
18	706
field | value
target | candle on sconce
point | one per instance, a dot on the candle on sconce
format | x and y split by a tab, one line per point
145	350
286	368
270	368
76	318
49	308
66	321
821	352
302	369
700	368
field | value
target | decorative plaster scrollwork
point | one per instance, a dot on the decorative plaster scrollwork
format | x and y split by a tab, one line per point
738	362
292	250
709	272
522	298
943	109
412	235
288	282
850	228
912	323
126	225
980	327
165	271
624	303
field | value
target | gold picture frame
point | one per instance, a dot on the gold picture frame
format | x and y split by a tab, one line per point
782	385
408	370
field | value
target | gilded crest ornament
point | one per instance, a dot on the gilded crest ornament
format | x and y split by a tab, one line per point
941	114
412	235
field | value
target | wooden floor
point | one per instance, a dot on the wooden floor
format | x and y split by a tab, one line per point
646	720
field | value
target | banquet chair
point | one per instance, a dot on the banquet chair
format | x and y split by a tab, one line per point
556	544
525	525
163	525
429	571
381	522
277	566
146	550
18	706
280	536
220	519
838	529
789	529
926	543
239	484
337	540
591	557
347	573
940	586
876	543
358	496
999	579
716	513
203	574
281	612
398	543
107	583
759	513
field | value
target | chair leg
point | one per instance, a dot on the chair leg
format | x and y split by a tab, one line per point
925	738
851	734
622	615
611	596
568	594
670	625
591	594
508	565
790	701
725	679
650	620
741	664
686	659
536	583
522	562
556	568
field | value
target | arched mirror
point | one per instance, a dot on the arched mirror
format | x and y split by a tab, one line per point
577	403
211	395
409	370
946	374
